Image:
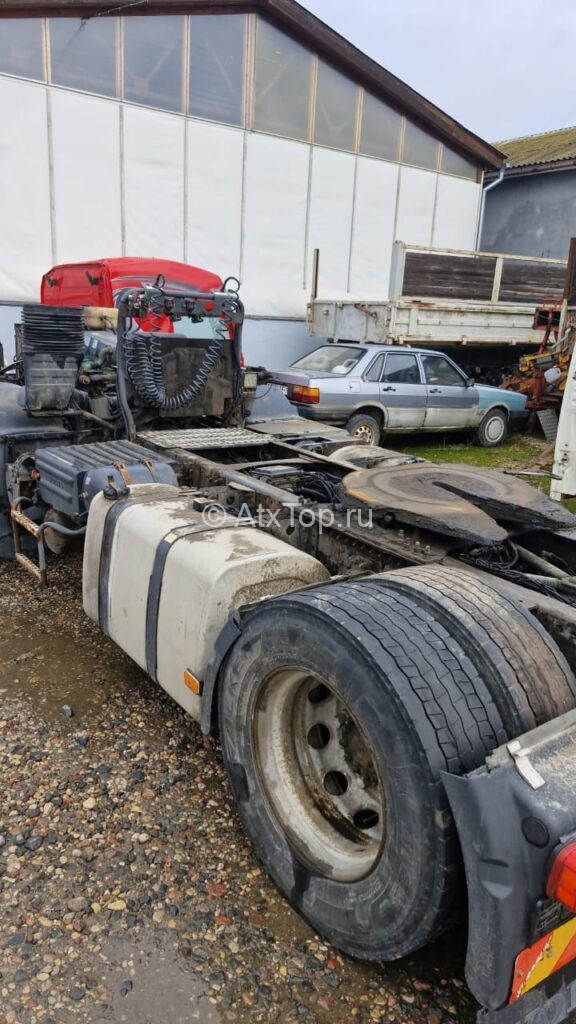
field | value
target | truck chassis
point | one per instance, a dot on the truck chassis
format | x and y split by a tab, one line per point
384	645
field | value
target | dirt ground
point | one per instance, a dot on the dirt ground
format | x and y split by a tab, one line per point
128	890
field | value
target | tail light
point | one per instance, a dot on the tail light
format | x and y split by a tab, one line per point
561	883
307	396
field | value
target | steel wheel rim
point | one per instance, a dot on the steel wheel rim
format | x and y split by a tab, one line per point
494	429
318	775
364	432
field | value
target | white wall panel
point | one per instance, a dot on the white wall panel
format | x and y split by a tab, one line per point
153	183
25	242
214	197
331	200
374	212
275	199
416	206
456	213
86	162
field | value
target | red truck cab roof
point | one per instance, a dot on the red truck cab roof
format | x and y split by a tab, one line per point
97	282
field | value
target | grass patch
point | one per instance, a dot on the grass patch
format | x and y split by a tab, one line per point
519	451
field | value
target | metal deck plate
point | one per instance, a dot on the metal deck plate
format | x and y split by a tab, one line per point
548	419
206	437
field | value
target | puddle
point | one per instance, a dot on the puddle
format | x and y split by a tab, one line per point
56	669
146	984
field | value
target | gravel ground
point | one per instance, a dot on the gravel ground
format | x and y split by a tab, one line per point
128	890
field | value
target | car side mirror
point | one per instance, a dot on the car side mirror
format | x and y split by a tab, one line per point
470	382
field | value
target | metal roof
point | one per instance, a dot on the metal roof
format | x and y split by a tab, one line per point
298	22
547	148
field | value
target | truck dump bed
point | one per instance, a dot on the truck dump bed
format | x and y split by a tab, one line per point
444	298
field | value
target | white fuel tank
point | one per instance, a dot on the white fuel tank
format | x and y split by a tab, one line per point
161	581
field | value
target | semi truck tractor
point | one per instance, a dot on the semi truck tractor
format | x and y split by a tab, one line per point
385	646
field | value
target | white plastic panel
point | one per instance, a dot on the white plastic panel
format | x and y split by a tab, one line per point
154	183
26	251
86	155
374	212
457	208
331	200
275	196
416	206
214	197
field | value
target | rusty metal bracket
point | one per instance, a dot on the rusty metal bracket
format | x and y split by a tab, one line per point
20	522
124	473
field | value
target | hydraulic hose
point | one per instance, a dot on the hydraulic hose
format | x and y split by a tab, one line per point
121	369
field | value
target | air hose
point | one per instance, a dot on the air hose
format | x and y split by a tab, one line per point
143	358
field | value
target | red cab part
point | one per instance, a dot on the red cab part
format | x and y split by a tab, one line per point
98	282
561	883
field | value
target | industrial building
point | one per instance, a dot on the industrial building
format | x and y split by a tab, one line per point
239	135
530	206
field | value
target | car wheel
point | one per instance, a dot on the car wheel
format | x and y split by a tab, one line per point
365	427
493	429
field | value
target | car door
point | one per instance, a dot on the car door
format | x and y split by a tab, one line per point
402	392
451	402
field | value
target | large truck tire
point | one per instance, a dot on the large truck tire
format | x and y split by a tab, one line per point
339	709
528	677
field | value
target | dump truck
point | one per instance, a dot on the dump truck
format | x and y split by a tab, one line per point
385	646
479	307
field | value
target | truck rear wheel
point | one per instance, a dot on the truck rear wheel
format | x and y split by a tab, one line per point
528	678
339	709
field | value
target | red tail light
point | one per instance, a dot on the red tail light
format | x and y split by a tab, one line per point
307	396
561	884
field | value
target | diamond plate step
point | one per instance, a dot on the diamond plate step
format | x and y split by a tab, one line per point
197	439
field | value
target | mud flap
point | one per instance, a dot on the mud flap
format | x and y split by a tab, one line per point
229	634
550	1003
510	815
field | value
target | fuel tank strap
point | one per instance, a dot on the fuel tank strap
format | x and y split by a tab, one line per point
111	522
157	579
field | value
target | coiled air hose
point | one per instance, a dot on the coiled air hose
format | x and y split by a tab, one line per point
143	359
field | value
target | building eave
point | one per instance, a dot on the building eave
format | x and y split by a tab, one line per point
294	19
530	170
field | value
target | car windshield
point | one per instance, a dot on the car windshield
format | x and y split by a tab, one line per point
329	359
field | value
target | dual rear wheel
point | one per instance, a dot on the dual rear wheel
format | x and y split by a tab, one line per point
340	708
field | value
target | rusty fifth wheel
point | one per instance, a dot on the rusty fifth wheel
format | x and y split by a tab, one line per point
340	707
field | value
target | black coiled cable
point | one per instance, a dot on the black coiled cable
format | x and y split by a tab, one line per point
143	356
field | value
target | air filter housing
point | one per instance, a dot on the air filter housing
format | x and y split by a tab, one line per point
52	349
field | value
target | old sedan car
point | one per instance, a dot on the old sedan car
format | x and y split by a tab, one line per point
372	389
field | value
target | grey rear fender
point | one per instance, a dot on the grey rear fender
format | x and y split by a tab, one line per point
508	831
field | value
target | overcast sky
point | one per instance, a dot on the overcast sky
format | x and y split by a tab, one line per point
501	67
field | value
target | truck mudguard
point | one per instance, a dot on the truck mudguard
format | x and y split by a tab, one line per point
511	815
